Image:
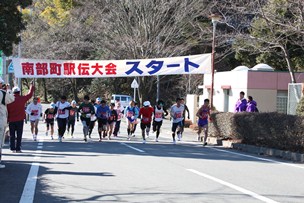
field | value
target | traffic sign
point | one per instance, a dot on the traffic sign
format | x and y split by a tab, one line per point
134	84
11	68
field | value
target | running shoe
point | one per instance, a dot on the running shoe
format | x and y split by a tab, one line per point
35	137
46	133
52	137
144	142
18	151
60	139
179	137
100	140
156	140
85	139
205	144
174	142
133	135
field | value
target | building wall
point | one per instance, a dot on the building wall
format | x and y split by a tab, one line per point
266	99
262	86
236	79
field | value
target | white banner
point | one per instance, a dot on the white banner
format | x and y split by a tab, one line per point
36	68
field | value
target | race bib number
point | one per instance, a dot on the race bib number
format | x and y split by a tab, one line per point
35	112
50	116
60	111
158	115
72	113
145	119
85	109
129	114
178	115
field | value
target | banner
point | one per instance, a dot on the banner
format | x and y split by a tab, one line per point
36	68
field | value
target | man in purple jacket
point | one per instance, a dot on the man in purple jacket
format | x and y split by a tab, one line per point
241	103
251	105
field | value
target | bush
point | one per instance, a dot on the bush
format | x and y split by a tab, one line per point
300	107
274	130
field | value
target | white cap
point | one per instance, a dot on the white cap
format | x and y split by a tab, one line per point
73	102
52	105
146	103
98	99
16	89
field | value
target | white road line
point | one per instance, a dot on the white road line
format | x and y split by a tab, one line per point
235	187
254	157
136	149
30	185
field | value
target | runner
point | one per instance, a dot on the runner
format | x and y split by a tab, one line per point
145	113
93	117
159	113
112	119
102	117
131	115
119	110
184	116
73	115
87	110
49	118
135	124
203	113
62	108
177	119
34	111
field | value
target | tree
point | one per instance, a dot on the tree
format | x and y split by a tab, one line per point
276	34
11	23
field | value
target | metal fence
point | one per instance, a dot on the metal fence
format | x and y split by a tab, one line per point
294	96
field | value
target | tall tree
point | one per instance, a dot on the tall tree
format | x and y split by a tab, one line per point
11	23
276	34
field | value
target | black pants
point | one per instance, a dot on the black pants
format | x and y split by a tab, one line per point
91	127
156	127
117	127
62	123
71	124
16	127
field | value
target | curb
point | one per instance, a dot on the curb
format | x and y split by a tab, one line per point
292	156
235	144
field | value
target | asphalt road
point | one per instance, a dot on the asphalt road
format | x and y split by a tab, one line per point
128	171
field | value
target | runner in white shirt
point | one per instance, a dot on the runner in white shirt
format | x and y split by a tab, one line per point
34	110
62	108
176	113
120	113
159	113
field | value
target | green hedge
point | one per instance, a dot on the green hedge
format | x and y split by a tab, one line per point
274	130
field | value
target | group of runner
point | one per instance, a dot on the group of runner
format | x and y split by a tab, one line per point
108	118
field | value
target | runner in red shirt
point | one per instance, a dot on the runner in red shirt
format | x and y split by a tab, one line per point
146	117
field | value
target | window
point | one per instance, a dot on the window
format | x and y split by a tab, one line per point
117	98
282	99
123	99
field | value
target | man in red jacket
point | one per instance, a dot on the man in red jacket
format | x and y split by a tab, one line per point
16	115
145	113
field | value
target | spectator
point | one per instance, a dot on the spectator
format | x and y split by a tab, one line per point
6	97
16	116
241	103
251	105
